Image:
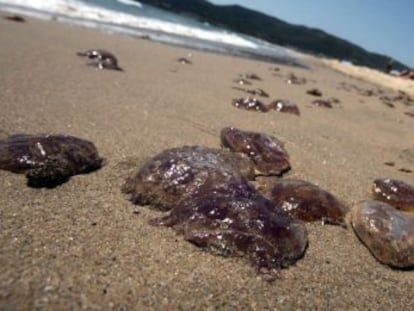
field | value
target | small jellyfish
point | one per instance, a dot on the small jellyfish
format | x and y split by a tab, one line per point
266	151
334	100
322	103
101	59
409	113
303	200
314	92
242	81
367	93
386	232
184	61
15	18
258	92
251	104
250	76
48	160
293	79
394	192
286	106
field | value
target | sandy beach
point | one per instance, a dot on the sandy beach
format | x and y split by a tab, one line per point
83	245
372	75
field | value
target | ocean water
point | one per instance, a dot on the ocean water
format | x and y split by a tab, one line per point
135	19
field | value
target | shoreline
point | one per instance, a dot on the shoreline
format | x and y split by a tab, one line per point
279	55
84	245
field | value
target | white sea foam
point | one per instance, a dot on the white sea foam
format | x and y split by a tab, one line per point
91	15
130	2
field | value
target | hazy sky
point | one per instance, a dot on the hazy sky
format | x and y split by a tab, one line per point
383	26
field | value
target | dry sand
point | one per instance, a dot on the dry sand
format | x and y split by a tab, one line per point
372	75
81	246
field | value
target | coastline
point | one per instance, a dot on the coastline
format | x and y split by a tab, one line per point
183	34
371	75
81	245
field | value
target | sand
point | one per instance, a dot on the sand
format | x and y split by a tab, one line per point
83	245
375	76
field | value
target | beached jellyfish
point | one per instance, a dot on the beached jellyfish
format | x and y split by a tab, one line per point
101	59
242	81
394	192
252	104
286	106
48	160
322	103
232	219
259	92
176	172
184	61
293	79
386	232
250	76
303	200
314	92
266	151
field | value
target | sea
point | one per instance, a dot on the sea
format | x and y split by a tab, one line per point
132	18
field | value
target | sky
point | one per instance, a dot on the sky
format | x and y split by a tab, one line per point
382	26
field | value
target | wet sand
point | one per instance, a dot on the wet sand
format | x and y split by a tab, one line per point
83	245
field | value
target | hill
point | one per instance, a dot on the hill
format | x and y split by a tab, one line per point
246	21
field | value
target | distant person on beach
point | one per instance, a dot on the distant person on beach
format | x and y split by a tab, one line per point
407	74
388	69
